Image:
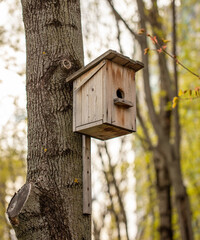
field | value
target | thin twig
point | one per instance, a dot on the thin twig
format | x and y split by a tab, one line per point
158	46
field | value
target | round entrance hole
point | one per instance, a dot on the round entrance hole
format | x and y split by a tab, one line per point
120	93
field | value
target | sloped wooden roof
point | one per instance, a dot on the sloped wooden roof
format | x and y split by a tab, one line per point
112	56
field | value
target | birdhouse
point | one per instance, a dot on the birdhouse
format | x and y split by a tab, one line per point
104	98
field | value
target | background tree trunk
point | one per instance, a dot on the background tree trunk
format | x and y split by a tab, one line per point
161	123
168	146
53	209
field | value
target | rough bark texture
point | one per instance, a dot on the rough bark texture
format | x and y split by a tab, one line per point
54	51
163	189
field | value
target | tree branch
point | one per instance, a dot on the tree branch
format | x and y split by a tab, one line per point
117	191
144	128
119	17
176	110
149	101
109	193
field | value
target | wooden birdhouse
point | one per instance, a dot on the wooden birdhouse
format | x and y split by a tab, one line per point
104	98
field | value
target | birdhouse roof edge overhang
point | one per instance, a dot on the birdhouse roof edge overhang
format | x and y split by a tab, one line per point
108	55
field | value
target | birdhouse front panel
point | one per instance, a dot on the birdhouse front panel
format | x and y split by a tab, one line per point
120	96
104	100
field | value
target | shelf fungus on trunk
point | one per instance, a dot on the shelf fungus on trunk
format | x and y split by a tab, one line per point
17	203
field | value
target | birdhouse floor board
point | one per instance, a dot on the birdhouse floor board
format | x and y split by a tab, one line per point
89	125
104	131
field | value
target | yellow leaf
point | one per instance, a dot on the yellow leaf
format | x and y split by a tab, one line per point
175	101
45	150
174	105
165	40
146	50
76	180
180	93
197	91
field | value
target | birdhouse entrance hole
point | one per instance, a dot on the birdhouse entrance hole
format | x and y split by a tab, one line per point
120	93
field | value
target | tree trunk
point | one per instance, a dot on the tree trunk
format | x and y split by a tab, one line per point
168	146
163	184
169	152
181	196
163	189
53	203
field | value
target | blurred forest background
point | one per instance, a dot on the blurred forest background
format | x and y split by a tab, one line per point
141	182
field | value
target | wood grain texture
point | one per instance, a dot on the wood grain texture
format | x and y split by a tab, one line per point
88	75
109	55
88	97
122	102
106	97
103	131
87	186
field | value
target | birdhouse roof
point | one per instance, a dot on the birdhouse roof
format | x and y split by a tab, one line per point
112	56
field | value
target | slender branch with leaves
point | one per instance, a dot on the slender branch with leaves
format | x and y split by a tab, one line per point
187	94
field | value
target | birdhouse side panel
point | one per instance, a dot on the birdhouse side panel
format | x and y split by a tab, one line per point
95	95
107	89
88	100
121	88
77	106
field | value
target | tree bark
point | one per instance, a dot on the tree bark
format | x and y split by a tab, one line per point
163	184
53	209
163	189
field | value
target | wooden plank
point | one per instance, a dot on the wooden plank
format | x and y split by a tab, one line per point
95	97
105	131
135	66
77	106
117	83
122	79
74	109
129	118
133	124
108	89
85	104
121	61
88	125
90	74
104	87
123	103
110	54
87	191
